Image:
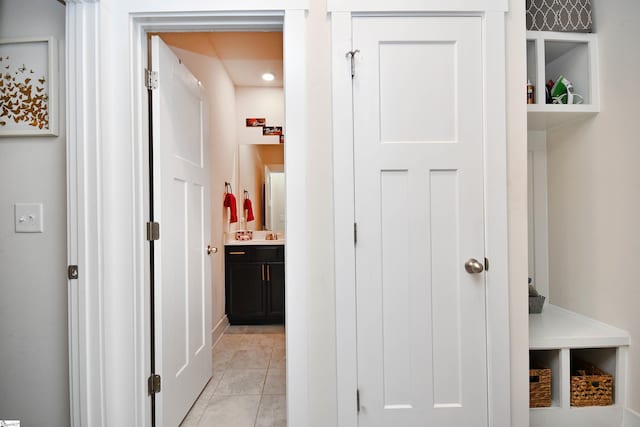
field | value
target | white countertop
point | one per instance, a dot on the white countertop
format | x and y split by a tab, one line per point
254	242
556	328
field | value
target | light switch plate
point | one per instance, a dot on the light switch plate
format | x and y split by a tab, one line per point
28	217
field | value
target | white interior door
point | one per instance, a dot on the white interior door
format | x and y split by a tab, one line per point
182	207
418	141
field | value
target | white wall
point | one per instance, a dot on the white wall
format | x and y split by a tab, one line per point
221	97
33	287
594	191
517	212
321	313
538	215
258	102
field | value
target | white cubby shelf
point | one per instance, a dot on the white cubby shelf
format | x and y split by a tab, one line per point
572	55
558	335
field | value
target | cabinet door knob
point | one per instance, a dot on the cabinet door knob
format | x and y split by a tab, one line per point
211	250
473	266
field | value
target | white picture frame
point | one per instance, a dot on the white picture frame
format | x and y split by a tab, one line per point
29	87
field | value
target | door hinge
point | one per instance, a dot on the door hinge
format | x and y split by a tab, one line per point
150	79
355	232
72	272
154	384
358	399
153	231
351	55
486	264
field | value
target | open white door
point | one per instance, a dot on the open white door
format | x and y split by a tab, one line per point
182	207
419	206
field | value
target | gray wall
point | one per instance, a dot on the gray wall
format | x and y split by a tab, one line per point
34	386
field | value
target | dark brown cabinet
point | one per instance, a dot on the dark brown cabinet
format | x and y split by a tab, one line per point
254	284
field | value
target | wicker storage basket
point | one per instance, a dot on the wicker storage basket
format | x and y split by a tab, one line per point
590	386
539	385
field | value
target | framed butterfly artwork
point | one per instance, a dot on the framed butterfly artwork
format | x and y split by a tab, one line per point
28	87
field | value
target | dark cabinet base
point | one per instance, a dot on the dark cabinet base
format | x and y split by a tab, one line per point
254	284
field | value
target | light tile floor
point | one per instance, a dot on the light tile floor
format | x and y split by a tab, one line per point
249	381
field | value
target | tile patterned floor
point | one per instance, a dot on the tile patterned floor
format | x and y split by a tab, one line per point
249	381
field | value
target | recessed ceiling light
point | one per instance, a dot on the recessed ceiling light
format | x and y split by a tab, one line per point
268	77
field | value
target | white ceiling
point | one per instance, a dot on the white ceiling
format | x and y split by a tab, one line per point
245	55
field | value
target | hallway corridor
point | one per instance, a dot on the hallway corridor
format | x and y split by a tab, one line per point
248	384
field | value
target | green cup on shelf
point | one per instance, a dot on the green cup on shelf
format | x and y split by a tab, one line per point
562	92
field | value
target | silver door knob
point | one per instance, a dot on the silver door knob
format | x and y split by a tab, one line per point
211	250
473	266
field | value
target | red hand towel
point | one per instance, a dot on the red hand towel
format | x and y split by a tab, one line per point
249	209
230	202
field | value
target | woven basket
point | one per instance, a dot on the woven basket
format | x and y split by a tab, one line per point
539	386
590	386
535	304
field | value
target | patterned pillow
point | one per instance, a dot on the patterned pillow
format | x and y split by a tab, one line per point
559	15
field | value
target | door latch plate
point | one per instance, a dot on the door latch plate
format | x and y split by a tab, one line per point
72	272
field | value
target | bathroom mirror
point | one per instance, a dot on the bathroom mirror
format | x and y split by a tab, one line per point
261	175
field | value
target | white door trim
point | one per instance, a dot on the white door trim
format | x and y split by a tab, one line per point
498	351
108	308
404	6
84	226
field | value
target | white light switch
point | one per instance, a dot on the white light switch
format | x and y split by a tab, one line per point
28	218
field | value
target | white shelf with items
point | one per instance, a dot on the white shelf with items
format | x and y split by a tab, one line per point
555	337
572	55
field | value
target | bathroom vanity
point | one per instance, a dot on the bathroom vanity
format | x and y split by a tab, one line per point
254	282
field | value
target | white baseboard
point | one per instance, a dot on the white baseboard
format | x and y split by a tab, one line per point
218	330
630	418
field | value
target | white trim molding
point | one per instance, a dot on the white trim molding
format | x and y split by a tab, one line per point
344	197
108	196
496	221
430	6
296	258
84	224
219	330
498	349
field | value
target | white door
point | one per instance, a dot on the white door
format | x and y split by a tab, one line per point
182	207
418	141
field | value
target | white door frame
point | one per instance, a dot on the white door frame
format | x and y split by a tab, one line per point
495	185
107	187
